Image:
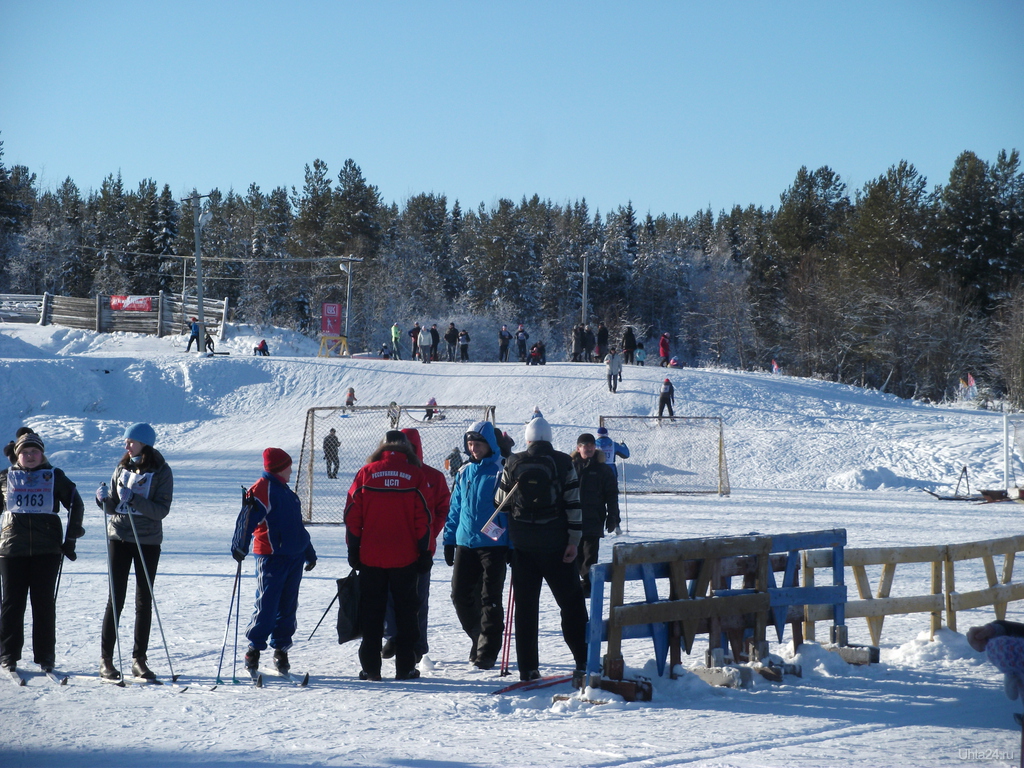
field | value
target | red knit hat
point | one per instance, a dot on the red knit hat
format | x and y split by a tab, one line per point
274	460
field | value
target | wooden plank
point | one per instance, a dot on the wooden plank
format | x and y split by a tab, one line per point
975	549
890	606
1001	593
688	610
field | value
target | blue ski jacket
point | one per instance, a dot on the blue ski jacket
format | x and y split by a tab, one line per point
473	497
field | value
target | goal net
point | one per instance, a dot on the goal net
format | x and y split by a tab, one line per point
323	487
685	454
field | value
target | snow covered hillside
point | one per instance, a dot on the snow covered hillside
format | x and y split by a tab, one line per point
802	455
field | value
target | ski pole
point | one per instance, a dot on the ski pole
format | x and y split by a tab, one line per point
234	652
506	645
149	583
113	609
625	497
227	627
60	570
322	618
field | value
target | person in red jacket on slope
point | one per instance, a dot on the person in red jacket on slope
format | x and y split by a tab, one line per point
387	521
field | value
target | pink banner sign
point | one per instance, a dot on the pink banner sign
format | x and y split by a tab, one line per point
132	303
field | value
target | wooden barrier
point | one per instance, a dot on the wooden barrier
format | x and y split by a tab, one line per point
701	598
333	346
875	605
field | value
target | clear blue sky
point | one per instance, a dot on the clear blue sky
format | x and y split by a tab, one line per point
676	106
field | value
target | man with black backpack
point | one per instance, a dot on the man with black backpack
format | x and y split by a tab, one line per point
545	526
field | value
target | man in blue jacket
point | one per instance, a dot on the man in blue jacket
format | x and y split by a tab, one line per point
478	575
611	449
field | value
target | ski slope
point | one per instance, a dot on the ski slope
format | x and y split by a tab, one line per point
802	455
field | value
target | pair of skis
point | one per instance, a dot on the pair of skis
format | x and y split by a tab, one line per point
257	676
18	678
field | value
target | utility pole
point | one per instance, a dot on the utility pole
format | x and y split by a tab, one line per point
346	267
198	223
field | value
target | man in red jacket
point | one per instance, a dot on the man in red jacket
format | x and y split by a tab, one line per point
387	518
438	500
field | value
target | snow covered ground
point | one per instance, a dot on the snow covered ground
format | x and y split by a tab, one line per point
803	455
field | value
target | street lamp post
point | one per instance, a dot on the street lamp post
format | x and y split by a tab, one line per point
198	223
346	267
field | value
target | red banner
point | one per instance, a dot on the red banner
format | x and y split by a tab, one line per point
330	319
132	303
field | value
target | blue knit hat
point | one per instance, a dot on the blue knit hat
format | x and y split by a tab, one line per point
140	433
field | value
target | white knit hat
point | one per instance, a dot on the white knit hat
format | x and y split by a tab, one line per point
538	430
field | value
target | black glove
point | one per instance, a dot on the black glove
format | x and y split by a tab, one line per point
449	554
68	548
310	564
238	554
611	524
425	561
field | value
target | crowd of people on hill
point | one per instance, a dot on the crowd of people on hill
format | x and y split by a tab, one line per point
586	345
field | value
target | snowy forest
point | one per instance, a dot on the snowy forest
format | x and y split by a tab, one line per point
899	285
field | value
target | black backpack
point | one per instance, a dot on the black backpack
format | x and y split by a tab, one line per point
536	498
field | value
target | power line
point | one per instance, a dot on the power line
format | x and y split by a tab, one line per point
285	260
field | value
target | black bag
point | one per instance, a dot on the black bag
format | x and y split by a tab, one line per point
348	608
537	495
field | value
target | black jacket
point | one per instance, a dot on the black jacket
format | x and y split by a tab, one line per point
599	493
38	533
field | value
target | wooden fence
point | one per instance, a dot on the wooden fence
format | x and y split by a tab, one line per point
701	598
875	605
165	313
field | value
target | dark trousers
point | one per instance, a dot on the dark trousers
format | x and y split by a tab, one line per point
423	598
613	381
529	570
503	353
34	575
627	357
277	598
450	346
374	586
478	580
331	459
586	556
663	403
192	338
464	352
122	555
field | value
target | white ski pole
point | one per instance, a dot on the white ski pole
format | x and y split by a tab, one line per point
625	498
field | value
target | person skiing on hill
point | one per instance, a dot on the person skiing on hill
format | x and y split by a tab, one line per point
611	449
504	337
32	543
271	517
396	341
666	398
521	337
477	560
613	363
544	527
663	349
451	339
350	398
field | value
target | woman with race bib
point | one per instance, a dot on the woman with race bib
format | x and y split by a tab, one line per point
32	543
142	487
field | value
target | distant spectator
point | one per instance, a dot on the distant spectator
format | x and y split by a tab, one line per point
504	337
396	341
663	349
414	335
194	335
521	337
464	346
602	341
435	341
423	343
641	353
613	364
628	346
589	342
261	349
451	339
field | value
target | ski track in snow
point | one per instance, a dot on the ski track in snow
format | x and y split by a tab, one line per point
802	455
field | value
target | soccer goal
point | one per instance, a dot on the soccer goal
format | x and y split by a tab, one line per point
684	454
323	486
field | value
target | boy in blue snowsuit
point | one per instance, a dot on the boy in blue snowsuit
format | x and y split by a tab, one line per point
272	518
